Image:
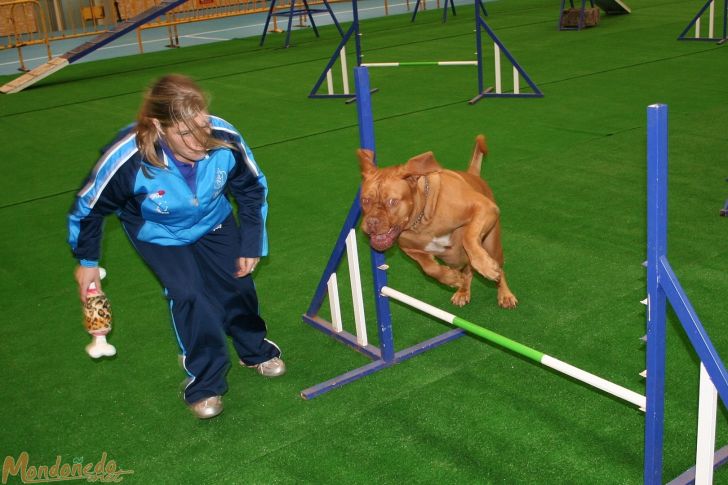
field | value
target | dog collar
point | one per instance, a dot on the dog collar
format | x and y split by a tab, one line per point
422	212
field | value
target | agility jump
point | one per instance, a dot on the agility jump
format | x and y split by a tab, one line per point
698	32
448	3
662	285
294	10
499	50
385	355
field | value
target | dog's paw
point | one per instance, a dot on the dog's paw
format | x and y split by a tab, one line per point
507	301
487	266
493	272
460	298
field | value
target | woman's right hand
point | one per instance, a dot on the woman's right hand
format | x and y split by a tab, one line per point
84	277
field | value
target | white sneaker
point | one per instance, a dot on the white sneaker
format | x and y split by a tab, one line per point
208	407
270	368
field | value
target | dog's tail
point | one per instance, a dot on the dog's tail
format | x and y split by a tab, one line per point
480	151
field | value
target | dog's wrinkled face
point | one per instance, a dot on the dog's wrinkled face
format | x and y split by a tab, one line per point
387	199
386	203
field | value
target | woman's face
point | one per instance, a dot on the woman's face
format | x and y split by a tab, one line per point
182	141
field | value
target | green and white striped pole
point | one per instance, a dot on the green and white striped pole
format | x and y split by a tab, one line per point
562	367
420	63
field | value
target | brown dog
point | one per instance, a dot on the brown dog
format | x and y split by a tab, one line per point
437	213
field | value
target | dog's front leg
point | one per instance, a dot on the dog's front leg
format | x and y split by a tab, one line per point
444	274
492	244
483	221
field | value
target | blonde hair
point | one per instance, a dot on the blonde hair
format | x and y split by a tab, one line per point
172	99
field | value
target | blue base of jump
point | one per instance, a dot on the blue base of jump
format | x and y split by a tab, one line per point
688	477
370	351
488	93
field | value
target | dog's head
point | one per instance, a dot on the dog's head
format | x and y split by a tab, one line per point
388	196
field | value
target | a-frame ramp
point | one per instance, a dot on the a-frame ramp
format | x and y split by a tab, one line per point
611	7
59	62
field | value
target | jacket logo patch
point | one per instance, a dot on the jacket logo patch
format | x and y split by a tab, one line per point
157	198
220	179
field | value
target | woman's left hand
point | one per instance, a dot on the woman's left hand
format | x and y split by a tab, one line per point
246	266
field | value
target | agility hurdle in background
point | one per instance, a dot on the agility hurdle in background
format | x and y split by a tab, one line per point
481	26
696	23
450	3
293	10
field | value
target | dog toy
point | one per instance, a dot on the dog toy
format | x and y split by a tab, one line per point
97	320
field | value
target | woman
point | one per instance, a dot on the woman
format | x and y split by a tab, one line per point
167	178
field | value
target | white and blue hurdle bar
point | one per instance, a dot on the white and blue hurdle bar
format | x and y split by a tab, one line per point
385	355
696	24
480	25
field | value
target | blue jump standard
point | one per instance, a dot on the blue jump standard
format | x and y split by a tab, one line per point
385	355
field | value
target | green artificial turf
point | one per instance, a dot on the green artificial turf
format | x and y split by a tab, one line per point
569	174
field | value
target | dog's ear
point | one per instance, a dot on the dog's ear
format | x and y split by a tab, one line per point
366	161
422	164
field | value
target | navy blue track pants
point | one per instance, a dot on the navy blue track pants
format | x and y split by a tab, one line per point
207	302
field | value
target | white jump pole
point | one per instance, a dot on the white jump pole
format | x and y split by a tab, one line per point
333	290
344	74
707	409
356	292
344	70
497	68
420	63
562	367
329	82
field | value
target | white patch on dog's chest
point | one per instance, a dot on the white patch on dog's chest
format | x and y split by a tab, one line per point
439	245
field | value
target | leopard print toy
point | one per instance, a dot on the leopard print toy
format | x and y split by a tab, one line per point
97	314
97	320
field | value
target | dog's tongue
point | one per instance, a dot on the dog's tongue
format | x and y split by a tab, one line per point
382	242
